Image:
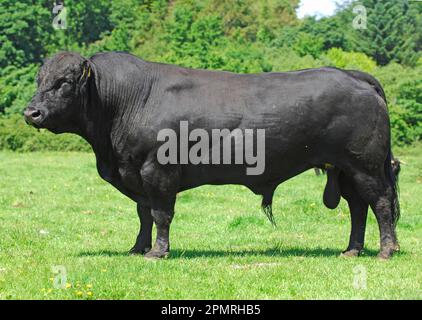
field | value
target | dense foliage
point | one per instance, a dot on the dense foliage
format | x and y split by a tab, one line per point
236	35
15	135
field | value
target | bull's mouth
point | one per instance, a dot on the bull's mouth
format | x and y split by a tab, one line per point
36	123
41	122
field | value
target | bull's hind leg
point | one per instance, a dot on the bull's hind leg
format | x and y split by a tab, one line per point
380	195
143	241
358	212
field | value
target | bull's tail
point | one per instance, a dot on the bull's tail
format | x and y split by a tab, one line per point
266	205
392	170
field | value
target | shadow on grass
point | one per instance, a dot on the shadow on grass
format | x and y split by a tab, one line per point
272	252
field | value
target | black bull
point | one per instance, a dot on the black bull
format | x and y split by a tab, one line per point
327	118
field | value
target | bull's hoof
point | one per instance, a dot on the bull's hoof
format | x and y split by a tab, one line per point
386	253
139	250
384	256
156	254
351	253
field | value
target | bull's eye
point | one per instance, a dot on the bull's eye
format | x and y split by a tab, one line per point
65	88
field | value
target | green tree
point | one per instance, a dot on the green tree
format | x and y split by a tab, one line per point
391	33
350	60
192	40
24	32
27	35
410	99
16	87
332	30
86	22
306	44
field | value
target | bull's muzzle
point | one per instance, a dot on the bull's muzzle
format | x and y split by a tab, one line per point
33	115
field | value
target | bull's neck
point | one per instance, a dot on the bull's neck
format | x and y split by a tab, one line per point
111	104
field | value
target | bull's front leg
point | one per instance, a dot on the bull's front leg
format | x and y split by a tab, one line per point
144	239
161	183
162	219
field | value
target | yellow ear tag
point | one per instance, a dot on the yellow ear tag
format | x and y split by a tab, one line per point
89	72
328	166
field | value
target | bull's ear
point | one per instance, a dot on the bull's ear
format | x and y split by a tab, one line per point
87	74
85	71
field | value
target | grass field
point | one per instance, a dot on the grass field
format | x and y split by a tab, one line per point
55	212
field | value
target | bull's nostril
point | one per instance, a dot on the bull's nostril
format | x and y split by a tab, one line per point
35	114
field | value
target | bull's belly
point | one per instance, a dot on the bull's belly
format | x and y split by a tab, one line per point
274	174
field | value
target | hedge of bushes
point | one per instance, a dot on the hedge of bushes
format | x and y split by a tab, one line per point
16	135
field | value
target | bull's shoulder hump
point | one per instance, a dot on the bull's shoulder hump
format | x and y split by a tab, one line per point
113	55
118	61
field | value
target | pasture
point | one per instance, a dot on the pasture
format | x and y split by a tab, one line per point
56	212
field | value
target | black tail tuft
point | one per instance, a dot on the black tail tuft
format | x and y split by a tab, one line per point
392	170
267	208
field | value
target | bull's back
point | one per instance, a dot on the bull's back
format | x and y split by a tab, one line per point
302	104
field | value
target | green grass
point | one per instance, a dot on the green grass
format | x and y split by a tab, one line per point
56	211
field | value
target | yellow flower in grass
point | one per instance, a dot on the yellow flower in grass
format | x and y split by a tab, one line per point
79	293
68	285
89	294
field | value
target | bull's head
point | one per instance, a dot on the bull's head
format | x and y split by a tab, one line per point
57	103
